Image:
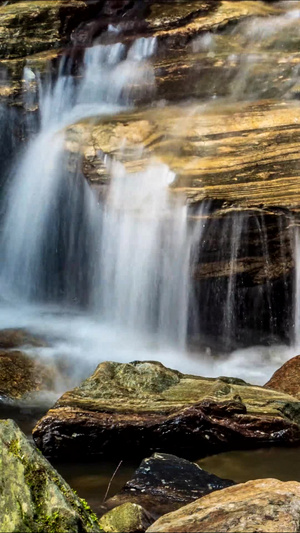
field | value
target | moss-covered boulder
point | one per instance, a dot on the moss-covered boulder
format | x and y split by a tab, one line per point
125	409
127	518
34	497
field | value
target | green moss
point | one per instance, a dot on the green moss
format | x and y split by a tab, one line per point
87	508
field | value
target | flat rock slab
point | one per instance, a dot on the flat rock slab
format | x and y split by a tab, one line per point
34	497
263	505
125	409
164	482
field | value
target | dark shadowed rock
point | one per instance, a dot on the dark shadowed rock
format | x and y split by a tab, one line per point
125	409
164	482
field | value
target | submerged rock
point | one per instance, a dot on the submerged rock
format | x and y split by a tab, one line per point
125	409
34	497
127	518
164	482
262	505
287	378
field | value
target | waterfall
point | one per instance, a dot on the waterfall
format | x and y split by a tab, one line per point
145	254
131	262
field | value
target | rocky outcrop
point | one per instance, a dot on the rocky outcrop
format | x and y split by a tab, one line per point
18	338
164	482
21	375
287	378
215	152
262	505
125	409
127	518
34	497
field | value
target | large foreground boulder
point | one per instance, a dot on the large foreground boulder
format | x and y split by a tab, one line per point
125	409
287	378
164	482
34	497
263	505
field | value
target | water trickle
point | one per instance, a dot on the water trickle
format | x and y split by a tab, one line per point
145	259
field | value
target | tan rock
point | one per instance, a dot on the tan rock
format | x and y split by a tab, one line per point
287	378
228	152
263	505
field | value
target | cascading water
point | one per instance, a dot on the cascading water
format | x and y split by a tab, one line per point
144	255
51	230
126	262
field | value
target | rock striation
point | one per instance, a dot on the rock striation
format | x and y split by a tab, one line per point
262	505
128	409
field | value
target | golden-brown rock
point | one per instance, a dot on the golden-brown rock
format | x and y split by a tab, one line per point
260	506
287	378
244	154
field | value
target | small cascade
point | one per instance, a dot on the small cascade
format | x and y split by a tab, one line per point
145	254
297	289
51	232
235	228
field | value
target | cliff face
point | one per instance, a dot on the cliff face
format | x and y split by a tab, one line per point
223	115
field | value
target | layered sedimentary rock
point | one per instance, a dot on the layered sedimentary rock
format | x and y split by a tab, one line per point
150	407
242	154
262	505
164	482
34	497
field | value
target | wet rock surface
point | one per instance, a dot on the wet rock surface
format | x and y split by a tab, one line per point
261	505
150	407
164	482
34	497
287	378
